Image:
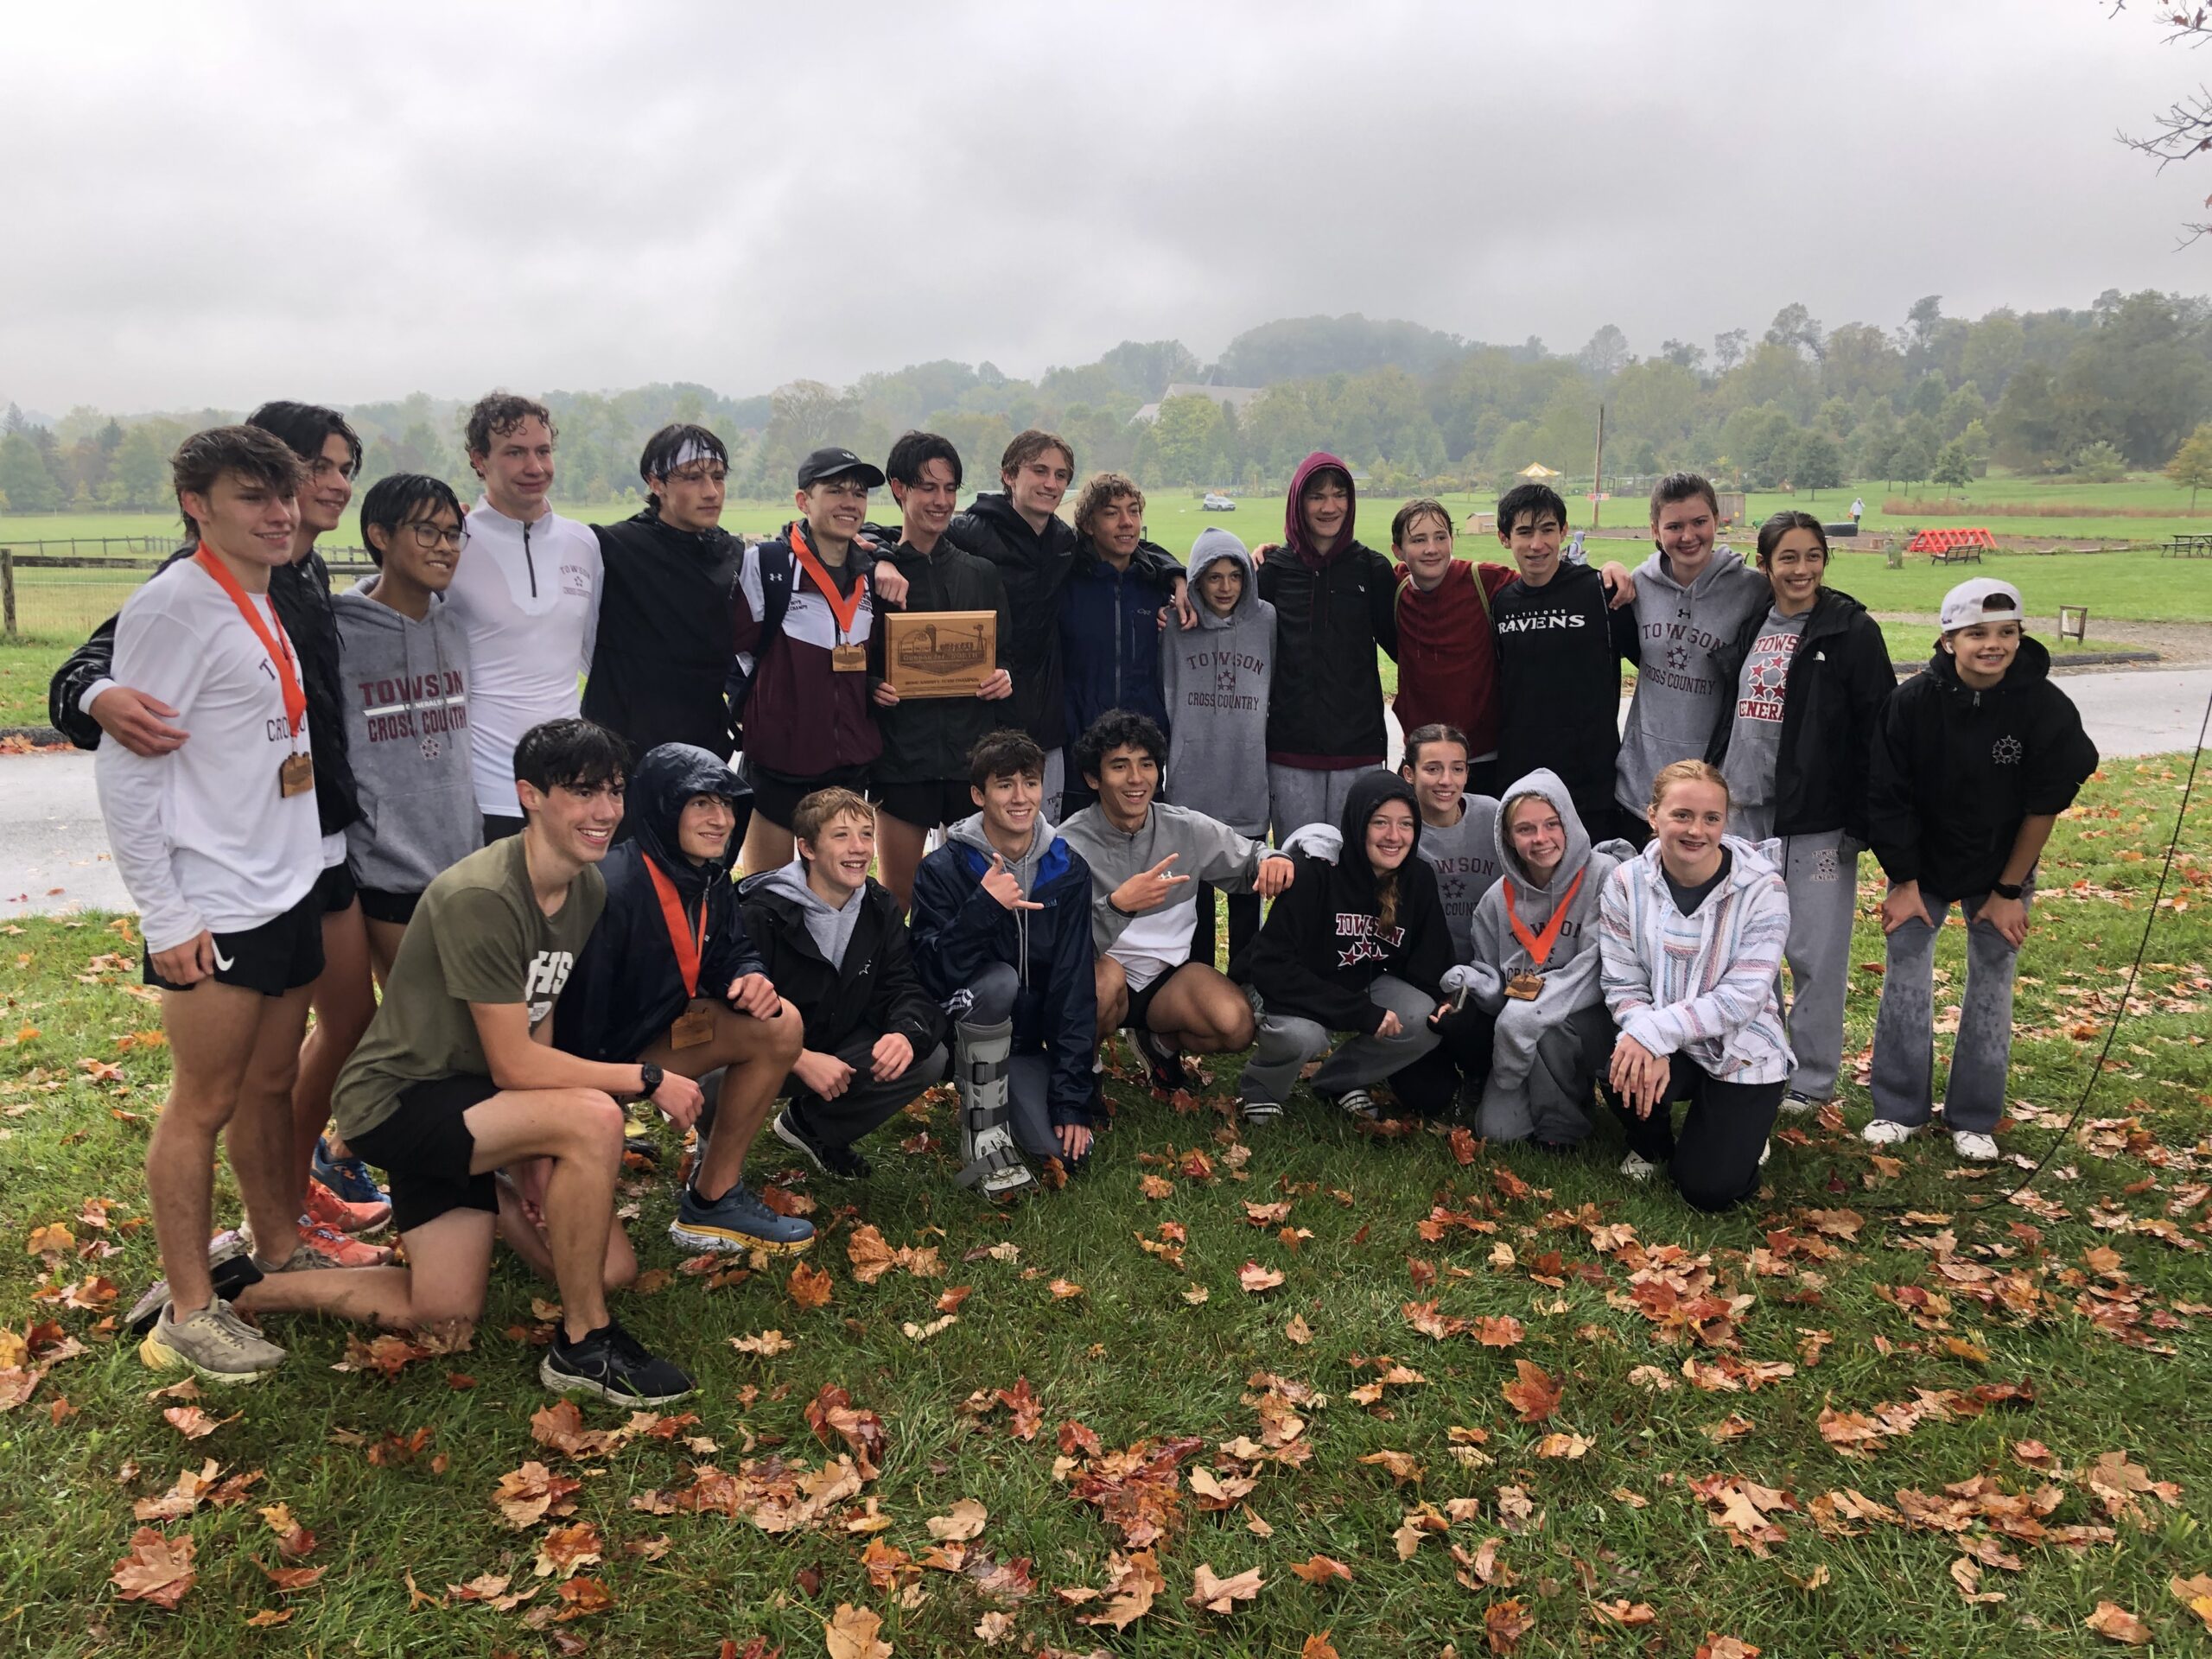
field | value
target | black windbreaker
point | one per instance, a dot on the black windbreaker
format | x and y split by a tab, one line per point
299	594
1838	680
1321	946
927	740
1954	771
626	988
875	987
1559	652
1034	569
1326	707
663	653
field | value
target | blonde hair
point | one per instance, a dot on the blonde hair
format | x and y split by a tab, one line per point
1686	771
1514	802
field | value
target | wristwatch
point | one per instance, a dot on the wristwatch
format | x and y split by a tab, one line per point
649	1078
2010	890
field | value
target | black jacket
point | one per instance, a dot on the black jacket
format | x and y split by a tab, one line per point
875	988
300	594
627	987
1327	701
1559	652
1034	569
662	652
1838	682
927	741
1954	771
1321	946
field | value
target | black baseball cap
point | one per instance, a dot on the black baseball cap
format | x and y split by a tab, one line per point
835	463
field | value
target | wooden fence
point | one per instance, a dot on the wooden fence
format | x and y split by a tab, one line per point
66	595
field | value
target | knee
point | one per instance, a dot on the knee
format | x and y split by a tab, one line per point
592	1121
1712	1190
992	995
786	1034
1238	1029
929	1068
620	1274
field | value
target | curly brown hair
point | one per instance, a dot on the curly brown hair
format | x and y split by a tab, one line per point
1102	490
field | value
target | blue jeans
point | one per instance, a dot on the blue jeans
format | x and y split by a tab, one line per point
1902	1079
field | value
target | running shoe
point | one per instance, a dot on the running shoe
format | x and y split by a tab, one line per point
844	1162
336	1249
612	1364
1885	1132
1974	1147
1638	1167
327	1208
735	1223
348	1177
215	1344
230	1268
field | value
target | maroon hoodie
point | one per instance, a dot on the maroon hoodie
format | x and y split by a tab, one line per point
1331	612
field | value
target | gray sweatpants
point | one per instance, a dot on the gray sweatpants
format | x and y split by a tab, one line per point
1288	1041
1554	1103
1298	796
1822	872
1905	1028
1028	1076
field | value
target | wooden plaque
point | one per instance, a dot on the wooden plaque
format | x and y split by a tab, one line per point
939	653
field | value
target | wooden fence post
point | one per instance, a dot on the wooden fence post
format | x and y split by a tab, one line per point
7	588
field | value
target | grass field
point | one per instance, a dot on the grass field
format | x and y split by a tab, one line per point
1896	1393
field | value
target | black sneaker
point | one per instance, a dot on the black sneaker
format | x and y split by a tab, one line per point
1163	1061
230	1269
844	1162
612	1364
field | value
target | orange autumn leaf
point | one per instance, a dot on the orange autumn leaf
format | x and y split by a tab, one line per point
809	1287
1496	1331
850	1634
2115	1623
1504	1623
292	1578
1319	1569
1257	1279
1533	1393
582	1597
833	1417
157	1569
53	1239
1317	1647
566	1551
1220	1595
1156	1186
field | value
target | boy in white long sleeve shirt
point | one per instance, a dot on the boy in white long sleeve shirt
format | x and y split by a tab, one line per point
220	846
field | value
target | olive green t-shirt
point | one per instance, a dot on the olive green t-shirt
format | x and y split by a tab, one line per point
477	936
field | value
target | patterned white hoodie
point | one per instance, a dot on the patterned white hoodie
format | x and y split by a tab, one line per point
1705	984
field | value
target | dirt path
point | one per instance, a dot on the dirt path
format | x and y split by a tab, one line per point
2179	644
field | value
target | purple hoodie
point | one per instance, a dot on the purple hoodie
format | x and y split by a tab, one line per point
1294	516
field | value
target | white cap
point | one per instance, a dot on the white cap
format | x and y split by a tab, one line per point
1984	599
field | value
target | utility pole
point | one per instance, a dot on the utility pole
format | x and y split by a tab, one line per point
1597	472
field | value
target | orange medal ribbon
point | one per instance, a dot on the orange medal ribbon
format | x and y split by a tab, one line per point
843	606
278	647
1539	945
689	948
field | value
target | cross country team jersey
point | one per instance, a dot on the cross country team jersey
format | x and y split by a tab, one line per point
202	836
528	595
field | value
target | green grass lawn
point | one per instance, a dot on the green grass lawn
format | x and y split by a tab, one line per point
1691	1476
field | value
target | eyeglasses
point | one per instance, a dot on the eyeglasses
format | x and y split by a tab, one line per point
429	538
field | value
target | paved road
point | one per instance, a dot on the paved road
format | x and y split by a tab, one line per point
54	850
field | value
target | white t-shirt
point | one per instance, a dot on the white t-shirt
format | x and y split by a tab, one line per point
202	836
528	595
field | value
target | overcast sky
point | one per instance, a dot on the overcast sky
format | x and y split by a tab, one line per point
213	203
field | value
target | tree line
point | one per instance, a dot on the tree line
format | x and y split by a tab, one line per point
2090	392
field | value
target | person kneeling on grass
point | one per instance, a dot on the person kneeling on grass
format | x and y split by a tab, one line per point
1358	943
1692	936
670	978
1973	762
1533	969
834	943
1146	861
1002	940
457	1080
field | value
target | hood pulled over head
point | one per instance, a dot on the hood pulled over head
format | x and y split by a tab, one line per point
1293	512
667	778
1214	546
1546	783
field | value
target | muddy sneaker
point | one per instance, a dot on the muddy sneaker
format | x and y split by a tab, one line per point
1974	1146
735	1223
230	1268
841	1161
1638	1167
612	1364
215	1344
348	1177
335	1248
325	1208
1884	1132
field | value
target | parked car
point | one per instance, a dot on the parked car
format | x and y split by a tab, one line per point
1216	502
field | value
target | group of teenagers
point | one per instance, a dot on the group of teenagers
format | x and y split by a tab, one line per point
1545	910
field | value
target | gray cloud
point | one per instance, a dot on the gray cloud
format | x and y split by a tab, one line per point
210	205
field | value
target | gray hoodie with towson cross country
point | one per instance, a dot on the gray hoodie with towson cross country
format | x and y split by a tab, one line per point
405	687
1679	691
1217	678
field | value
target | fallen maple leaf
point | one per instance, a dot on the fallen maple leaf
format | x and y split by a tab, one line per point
1496	1331
2115	1623
831	1412
1255	1279
1298	1331
809	1287
870	1256
1556	1445
292	1578
1621	1610
2196	1594
1150	1186
526	1495
1063	1289
193	1423
964	1521
767	1344
1965	1572
1725	1647
1403	1465
583	1598
1504	1623
268	1617
1134	1580
1317	1647
1219	1595
993	1628
1319	1569
1533	1393
157	1569
566	1551
850	1634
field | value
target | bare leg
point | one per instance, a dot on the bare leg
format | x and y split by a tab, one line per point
527	1239
1112	984
259	1136
899	847
344	1004
440	1292
210	1030
1203	1011
767	846
384	946
759	1055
